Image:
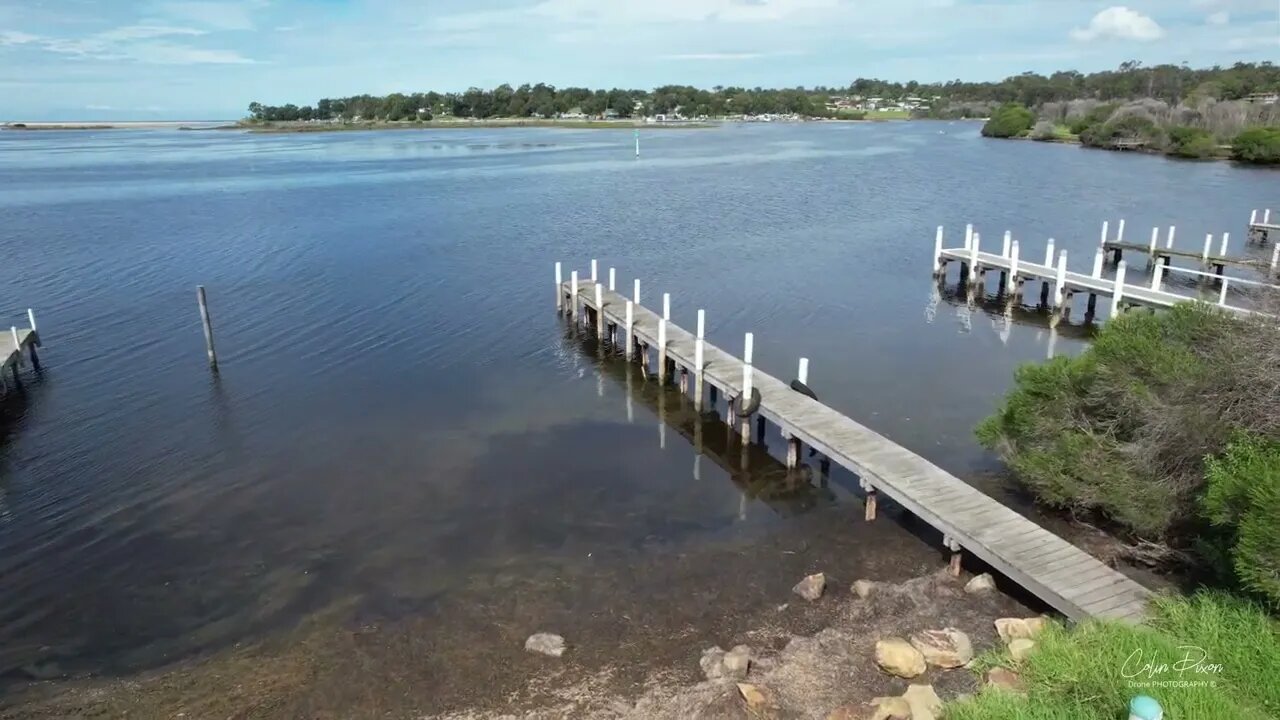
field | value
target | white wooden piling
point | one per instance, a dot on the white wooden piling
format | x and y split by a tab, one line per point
631	331
1013	265
1120	231
975	242
613	279
937	250
748	344
1060	282
1222	295
593	269
1168	245
666	306
16	344
1048	254
1155	240
1253	218
968	235
697	359
559	287
1157	276
573	295
635	294
31	318
662	350
1266	216
1117	292
600	321
208	327
1098	257
802	374
1208	244
1106	224
1222	251
1008	240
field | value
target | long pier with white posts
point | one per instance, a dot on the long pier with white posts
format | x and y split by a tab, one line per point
1059	285
1062	575
1261	227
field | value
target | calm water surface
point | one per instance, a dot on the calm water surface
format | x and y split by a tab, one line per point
400	411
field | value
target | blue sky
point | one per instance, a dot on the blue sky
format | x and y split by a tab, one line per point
193	59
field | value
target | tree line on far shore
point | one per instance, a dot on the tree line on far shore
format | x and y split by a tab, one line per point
1173	85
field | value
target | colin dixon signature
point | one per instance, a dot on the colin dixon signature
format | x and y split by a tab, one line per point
1194	660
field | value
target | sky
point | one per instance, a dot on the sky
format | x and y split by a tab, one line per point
208	59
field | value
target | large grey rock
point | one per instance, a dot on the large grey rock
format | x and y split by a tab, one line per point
946	648
896	657
983	583
811	588
546	644
924	702
1011	629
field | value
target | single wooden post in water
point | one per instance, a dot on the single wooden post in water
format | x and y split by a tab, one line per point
600	321
1117	292
870	511
794	446
954	565
1048	254
744	400
662	351
1060	281
1008	240
208	326
802	373
635	294
613	280
593	270
1156	276
1168	245
937	252
697	360
559	288
631	331
573	296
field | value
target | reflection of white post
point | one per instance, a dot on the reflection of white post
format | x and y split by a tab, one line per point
697	360
1169	243
1120	231
631	413
593	269
631	331
1008	238
1157	276
1117	292
1097	263
937	252
1053	341
803	373
1222	296
635	293
613	279
662	420
1048	254
600	322
573	295
1060	282
1222	251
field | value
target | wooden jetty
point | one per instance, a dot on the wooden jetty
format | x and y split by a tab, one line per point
1164	252
1062	575
1060	285
1261	229
12	344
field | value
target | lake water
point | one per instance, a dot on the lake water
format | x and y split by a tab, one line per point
400	415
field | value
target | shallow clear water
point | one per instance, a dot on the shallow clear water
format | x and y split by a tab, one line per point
399	409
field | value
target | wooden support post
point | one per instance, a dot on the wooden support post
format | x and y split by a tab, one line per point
1008	242
1266	216
793	452
684	381
635	294
1013	264
1120	231
1117	292
613	279
1097	263
631	331
600	321
802	373
1253	218
954	564
870	511
937	252
973	259
698	362
760	429
208	326
712	395
666	306
1105	235
1091	308
1204	255
559	288
1060	282
1048	254
573	296
968	235
747	378
1155	240
1044	294
31	319
1156	276
662	351
17	348
594	268
1222	251
1168	245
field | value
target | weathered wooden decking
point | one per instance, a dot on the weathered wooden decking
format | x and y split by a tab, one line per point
1062	575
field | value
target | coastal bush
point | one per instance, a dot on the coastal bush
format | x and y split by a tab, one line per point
1094	115
1010	120
1044	130
1190	142
1128	127
1257	145
1092	671
1243	501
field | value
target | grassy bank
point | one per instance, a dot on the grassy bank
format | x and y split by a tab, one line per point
311	127
1208	657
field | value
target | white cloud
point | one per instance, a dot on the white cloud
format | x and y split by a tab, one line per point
145	32
1120	23
131	42
712	56
13	37
1219	18
214	15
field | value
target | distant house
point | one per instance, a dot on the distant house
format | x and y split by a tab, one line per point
610	114
1265	98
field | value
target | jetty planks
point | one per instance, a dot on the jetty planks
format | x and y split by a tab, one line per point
1063	576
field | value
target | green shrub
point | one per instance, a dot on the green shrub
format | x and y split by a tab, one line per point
1096	116
1189	142
1090	672
1257	145
1243	500
1129	127
1010	120
1122	429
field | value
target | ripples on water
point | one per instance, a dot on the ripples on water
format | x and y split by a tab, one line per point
399	409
